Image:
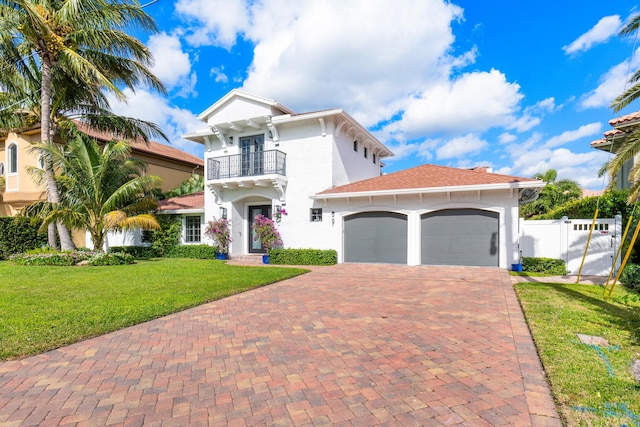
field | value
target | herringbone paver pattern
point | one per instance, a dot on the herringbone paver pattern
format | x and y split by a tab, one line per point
349	345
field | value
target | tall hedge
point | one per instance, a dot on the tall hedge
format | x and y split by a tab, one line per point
18	235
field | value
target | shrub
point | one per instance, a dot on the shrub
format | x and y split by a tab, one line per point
192	251
266	233
544	265
631	277
18	235
111	258
140	252
218	230
167	238
303	256
51	257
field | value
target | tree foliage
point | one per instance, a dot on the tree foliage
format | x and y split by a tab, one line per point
194	184
58	55
104	189
554	194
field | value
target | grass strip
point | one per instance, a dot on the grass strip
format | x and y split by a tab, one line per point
593	385
43	308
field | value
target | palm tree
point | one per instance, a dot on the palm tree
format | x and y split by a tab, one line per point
194	184
554	194
86	39
104	189
633	92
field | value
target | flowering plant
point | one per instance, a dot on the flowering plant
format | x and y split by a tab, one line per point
218	229
266	232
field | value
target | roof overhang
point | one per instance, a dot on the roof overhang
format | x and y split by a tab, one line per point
180	211
238	93
431	190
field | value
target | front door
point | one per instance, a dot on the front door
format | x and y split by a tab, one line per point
252	155
255	247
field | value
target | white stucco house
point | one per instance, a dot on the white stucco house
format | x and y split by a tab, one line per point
324	170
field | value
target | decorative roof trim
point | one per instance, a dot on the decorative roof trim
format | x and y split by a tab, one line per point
240	94
431	190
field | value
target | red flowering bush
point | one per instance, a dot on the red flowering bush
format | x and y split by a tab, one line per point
266	232
218	229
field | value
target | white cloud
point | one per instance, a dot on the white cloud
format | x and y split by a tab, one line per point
573	135
368	58
172	65
601	32
152	107
475	102
218	21
461	146
218	75
612	84
506	138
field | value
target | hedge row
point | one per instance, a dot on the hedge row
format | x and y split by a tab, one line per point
69	258
18	235
544	265
185	251
303	256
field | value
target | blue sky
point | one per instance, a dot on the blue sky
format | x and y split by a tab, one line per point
518	86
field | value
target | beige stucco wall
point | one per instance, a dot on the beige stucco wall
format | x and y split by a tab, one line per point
20	188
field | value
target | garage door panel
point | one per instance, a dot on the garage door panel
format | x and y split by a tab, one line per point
377	237
460	237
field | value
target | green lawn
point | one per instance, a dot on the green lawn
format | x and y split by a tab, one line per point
593	386
42	308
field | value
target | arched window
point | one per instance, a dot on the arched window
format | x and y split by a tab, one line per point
12	160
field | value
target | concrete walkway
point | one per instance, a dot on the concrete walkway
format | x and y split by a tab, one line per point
349	345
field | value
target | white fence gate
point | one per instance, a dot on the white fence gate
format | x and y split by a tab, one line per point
566	239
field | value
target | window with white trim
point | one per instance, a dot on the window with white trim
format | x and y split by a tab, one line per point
12	159
192	229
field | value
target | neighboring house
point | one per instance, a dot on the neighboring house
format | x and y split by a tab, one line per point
172	165
623	126
318	175
190	210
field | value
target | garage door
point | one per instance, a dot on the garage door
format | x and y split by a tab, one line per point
460	237
379	237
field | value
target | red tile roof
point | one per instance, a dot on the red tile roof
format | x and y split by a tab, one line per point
190	201
626	118
427	176
149	147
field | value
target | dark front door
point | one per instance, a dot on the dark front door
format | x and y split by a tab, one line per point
255	247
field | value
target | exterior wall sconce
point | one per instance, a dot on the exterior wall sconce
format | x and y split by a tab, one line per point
231	140
279	211
270	134
223	213
333	218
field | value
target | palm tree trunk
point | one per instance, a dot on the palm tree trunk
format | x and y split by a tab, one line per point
46	136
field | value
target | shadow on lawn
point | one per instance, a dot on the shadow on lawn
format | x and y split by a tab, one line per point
627	317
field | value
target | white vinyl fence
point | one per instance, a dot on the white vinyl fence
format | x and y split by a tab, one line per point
566	239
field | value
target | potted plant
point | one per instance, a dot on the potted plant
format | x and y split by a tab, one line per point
266	232
218	229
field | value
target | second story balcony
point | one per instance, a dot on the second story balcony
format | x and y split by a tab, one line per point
250	165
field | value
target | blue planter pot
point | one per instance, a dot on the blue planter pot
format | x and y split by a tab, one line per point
221	256
265	259
516	267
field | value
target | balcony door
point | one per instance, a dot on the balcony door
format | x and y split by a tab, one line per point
252	155
255	247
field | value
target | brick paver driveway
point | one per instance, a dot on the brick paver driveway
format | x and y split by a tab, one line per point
345	345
